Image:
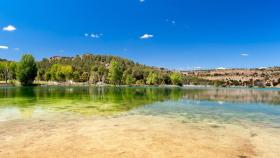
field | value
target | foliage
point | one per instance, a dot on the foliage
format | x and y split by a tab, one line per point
115	73
128	79
60	72
84	77
76	76
94	69
152	79
176	78
7	70
27	70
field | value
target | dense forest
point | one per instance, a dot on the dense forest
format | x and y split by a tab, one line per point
88	68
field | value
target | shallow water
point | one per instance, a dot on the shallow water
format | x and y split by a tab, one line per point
139	122
223	105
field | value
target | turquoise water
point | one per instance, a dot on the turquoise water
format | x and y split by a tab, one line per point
224	105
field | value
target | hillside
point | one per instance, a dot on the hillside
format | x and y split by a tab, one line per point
96	69
264	77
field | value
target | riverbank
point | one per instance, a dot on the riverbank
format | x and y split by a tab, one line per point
54	83
134	136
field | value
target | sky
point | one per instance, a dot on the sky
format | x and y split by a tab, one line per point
175	34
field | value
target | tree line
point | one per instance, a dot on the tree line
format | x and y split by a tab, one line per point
93	69
24	71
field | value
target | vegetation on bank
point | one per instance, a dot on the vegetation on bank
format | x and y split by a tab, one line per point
102	69
92	69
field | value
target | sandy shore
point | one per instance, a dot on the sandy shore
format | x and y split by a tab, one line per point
134	136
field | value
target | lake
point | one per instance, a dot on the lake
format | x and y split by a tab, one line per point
249	115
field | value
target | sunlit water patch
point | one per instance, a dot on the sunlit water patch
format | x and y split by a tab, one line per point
211	111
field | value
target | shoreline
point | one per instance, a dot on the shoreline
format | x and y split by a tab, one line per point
52	83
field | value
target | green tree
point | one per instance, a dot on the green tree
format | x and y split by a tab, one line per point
176	78
12	70
3	72
48	76
164	78
128	79
102	73
94	77
7	71
60	76
115	72
27	70
85	77
67	70
152	79
61	72
76	76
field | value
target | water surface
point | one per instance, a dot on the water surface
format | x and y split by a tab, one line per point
223	105
139	121
233	105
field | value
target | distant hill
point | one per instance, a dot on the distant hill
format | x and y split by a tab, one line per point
261	77
3	59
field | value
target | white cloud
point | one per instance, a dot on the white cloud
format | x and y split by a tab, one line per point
197	67
221	68
146	36
4	47
142	1
244	54
262	67
95	35
9	28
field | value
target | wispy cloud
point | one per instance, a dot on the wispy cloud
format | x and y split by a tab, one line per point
171	21
142	1
146	36
244	54
9	28
4	47
16	49
93	35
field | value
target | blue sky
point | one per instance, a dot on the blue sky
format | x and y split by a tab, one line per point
177	34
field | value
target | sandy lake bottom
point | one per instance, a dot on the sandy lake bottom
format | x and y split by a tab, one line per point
135	136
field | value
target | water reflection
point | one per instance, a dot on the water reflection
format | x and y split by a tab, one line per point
26	102
85	100
235	95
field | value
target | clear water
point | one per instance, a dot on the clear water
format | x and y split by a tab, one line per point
224	105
